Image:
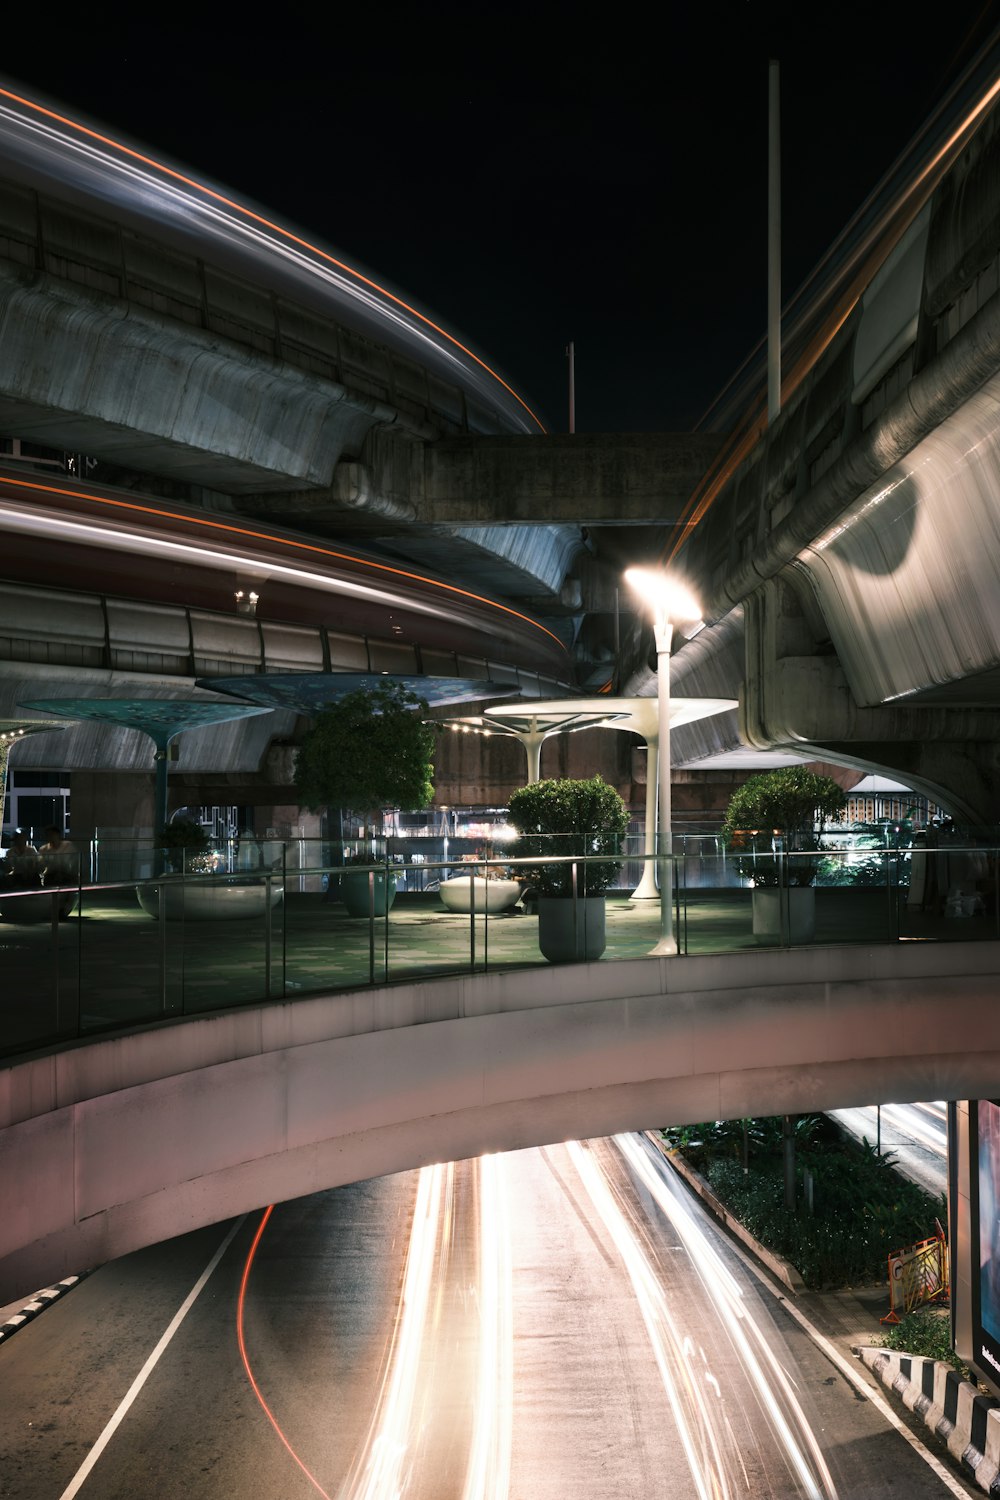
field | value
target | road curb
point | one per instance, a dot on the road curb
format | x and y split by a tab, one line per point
967	1421
39	1302
776	1264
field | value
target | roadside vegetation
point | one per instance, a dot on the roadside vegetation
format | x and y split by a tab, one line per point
926	1333
851	1210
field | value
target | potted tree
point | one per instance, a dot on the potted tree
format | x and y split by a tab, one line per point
773	827
586	820
368	751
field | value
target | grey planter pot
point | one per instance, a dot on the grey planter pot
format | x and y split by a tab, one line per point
793	906
359	899
571	932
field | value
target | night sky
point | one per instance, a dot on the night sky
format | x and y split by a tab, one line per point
532	174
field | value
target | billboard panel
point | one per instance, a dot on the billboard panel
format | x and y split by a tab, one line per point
984	1141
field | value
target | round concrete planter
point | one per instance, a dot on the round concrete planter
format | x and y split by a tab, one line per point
34	908
363	901
486	896
571	932
794	905
205	899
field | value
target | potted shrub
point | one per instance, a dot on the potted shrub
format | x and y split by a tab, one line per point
185	844
368	751
773	827
560	818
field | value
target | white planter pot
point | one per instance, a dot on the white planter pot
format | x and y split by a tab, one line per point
784	914
34	908
204	899
487	896
571	931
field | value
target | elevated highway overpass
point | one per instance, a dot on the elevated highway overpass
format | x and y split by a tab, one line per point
202	352
121	1142
848	554
819	546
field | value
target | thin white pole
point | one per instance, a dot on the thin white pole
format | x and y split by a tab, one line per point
664	631
773	242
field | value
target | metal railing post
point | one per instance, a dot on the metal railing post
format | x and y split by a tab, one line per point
284	917
267	935
576	911
371	926
385	918
161	908
486	916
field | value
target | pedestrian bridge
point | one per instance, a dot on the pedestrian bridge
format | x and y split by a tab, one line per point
113	1144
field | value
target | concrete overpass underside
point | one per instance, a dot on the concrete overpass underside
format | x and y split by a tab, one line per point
855	546
119	1143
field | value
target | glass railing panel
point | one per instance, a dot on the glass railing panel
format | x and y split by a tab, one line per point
277	924
328	944
39	981
949	890
131	960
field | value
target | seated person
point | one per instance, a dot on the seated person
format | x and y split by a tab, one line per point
58	858
22	864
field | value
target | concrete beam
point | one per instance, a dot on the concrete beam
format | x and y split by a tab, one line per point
605	479
589	479
92	374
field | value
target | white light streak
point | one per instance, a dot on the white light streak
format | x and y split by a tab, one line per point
763	1370
488	1476
380	1473
152	190
670	1350
196	554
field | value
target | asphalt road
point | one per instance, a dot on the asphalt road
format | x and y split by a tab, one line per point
915	1134
554	1322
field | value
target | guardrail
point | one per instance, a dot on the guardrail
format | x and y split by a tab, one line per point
81	957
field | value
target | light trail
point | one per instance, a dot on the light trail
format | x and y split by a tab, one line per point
488	1476
381	1470
384	575
156	182
923	1123
763	1370
244	1356
683	1383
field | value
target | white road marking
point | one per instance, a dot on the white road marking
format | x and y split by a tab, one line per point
76	1483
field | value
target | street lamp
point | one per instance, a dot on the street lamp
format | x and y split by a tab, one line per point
672	605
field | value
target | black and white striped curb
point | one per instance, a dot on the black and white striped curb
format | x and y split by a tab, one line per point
967	1421
38	1303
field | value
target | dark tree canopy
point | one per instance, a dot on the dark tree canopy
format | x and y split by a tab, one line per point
370	750
791	804
791	800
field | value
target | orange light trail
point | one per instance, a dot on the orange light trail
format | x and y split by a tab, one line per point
273	227
244	1282
273	540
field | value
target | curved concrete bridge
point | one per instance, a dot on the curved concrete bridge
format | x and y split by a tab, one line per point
121	1142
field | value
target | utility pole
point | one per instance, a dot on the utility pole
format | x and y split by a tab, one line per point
773	243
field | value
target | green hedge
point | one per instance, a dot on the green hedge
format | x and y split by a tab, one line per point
862	1209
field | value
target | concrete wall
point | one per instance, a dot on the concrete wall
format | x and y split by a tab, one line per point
122	1142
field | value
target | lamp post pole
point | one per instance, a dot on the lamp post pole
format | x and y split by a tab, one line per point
670	602
663	632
